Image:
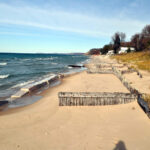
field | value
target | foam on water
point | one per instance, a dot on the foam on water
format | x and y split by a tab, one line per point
50	58
54	63
24	101
4	76
3	64
22	84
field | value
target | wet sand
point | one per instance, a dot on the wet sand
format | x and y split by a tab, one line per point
46	126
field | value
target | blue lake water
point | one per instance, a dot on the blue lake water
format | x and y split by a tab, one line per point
18	70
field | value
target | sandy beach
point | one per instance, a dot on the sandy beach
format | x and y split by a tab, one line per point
45	125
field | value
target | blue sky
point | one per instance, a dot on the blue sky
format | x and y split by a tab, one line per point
48	26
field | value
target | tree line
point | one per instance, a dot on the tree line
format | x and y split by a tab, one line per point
140	41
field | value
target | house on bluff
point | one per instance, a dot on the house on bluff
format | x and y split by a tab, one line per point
126	49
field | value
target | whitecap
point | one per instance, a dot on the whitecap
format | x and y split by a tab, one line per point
49	58
22	84
54	63
3	64
4	76
26	59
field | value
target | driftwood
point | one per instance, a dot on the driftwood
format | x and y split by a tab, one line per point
76	66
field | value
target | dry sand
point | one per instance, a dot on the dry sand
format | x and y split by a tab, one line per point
141	84
46	126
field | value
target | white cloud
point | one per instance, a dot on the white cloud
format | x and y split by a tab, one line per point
19	33
67	21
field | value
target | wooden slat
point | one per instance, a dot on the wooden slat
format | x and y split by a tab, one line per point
94	99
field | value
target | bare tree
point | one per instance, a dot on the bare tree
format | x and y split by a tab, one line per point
122	36
138	41
116	42
146	31
146	37
118	38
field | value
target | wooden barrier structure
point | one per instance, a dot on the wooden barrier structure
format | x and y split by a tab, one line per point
131	71
124	82
103	66
100	71
127	71
118	74
144	105
94	98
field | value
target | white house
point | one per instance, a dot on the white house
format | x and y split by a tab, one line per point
125	49
111	52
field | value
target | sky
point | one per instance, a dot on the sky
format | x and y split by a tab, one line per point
65	26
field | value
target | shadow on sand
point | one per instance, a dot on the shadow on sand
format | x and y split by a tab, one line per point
120	146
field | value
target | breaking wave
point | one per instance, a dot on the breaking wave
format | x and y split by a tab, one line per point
50	58
3	64
4	76
22	84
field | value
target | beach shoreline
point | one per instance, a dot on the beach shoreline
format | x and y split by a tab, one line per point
32	69
32	90
38	95
46	125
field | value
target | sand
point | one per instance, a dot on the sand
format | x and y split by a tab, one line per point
46	126
141	84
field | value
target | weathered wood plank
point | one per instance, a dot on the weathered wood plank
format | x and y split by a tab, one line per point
94	99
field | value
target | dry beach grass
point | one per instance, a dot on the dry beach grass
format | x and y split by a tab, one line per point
139	60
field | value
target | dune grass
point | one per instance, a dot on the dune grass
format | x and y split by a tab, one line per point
137	60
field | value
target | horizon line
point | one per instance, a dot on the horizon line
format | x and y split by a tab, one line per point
40	53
